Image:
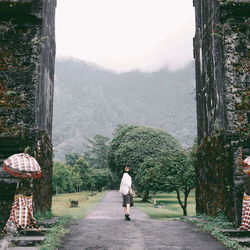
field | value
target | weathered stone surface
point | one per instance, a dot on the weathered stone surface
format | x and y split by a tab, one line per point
34	232
235	233
221	50
27	50
28	240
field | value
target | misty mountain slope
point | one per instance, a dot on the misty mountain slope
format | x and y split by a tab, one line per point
89	100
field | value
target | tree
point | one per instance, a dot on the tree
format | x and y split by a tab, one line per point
85	172
102	179
132	145
64	178
97	153
71	158
179	175
149	176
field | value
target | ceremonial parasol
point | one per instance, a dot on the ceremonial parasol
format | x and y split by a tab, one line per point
23	166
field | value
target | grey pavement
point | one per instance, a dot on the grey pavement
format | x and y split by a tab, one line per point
105	229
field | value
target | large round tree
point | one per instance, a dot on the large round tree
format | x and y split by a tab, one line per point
132	145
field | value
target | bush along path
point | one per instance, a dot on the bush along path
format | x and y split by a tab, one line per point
105	228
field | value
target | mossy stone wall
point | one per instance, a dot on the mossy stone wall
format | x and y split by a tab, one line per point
221	50
27	51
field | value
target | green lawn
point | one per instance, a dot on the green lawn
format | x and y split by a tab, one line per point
170	207
61	203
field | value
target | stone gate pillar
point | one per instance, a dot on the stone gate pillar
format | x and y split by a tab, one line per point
27	54
221	51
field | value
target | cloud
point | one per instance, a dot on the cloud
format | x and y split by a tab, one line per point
126	34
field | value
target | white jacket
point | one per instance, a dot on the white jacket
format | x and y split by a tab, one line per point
126	183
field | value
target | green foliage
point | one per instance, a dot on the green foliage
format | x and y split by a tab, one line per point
53	237
40	216
102	178
82	168
76	175
213	225
131	145
96	154
71	158
150	176
220	221
179	172
172	172
214	155
231	2
158	162
65	179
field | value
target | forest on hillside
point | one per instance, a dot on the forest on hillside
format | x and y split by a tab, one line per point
90	100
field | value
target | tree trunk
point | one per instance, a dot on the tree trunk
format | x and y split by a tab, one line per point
184	211
145	195
184	208
186	193
154	200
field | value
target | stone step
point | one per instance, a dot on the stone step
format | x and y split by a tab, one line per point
48	223
27	241
34	232
244	241
235	233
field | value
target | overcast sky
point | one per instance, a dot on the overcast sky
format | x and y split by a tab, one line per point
124	35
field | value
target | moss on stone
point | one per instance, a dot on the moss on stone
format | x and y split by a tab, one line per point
215	176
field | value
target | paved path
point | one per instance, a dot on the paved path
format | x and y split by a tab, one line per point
105	229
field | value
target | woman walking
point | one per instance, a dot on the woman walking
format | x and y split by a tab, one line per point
127	193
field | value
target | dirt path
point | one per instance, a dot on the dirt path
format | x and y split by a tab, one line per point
105	229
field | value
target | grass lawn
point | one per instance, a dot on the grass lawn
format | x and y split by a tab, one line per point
170	207
61	204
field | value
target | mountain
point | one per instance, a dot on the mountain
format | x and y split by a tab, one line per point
90	100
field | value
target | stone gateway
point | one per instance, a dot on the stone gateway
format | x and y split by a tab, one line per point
221	51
